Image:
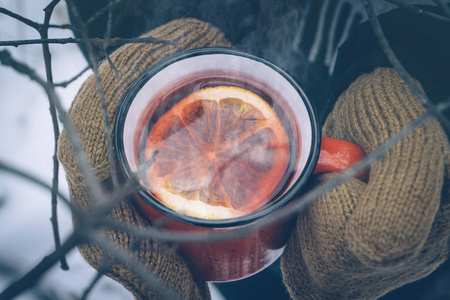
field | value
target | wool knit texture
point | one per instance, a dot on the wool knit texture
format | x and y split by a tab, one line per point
131	61
362	240
358	241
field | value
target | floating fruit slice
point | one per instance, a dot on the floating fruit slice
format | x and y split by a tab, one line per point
222	153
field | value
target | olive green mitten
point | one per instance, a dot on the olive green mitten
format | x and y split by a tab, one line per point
362	240
131	61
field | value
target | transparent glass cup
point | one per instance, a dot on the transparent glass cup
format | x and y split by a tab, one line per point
247	247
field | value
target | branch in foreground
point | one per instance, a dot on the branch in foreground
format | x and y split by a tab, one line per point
125	257
105	266
43	31
81	27
31	23
96	41
20	18
34	179
67	82
297	205
33	276
63	26
108	37
102	10
91	286
7	60
376	26
419	11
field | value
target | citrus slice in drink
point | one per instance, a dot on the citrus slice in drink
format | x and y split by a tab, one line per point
222	153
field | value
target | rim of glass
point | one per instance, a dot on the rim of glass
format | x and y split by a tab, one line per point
128	98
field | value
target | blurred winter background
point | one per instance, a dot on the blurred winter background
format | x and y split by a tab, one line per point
27	143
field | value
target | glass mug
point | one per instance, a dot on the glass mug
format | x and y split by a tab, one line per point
147	115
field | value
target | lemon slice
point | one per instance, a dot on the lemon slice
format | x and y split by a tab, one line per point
222	153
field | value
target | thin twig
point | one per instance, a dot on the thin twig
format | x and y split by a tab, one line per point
108	38
140	173
121	192
6	59
34	275
72	134
297	204
63	26
43	31
105	266
20	18
101	11
154	283
410	82
111	63
117	195
80	153
67	82
34	179
94	63
419	11
108	26
31	23
96	41
91	286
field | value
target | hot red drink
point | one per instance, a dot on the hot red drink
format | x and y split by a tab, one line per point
235	139
222	150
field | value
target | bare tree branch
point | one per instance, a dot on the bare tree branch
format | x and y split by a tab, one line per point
102	10
31	23
6	59
399	67
111	63
105	266
64	26
43	31
126	258
94	63
34	179
20	18
97	218
108	38
419	11
34	275
108	25
299	203
67	82
96	190
96	41
91	286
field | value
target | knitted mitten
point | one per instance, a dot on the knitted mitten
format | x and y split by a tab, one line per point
362	240
131	61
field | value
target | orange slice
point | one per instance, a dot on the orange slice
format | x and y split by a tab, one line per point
222	153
